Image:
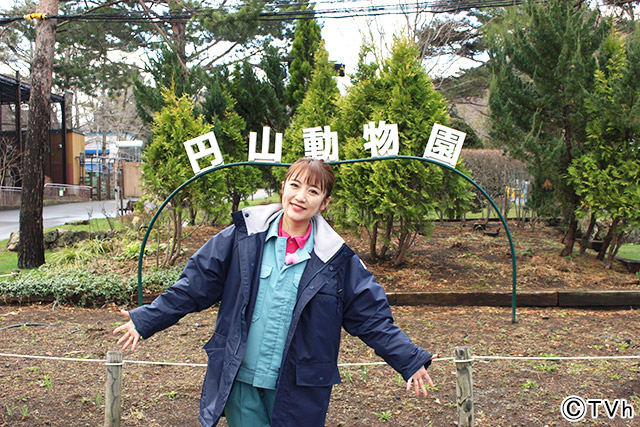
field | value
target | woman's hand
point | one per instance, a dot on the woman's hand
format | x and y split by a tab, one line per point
417	380
131	336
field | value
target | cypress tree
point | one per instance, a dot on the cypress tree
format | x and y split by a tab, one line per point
392	200
606	174
542	69
306	40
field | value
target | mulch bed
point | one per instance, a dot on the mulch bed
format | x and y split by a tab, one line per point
454	258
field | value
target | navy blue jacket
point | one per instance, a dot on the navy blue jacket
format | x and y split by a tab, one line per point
335	291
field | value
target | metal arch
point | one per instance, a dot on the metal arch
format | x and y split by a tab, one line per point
341	162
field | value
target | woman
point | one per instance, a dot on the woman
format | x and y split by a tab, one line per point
287	284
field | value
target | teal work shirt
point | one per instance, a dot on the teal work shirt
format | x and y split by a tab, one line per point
273	310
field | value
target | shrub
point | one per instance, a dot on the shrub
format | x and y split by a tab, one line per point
72	283
81	285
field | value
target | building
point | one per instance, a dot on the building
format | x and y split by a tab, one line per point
65	145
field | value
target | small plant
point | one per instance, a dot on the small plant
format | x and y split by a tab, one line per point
45	382
24	412
347	376
622	346
10	409
549	355
545	367
172	395
614	376
98	399
530	384
399	380
363	375
383	416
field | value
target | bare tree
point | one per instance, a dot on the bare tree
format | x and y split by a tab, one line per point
494	171
31	248
9	162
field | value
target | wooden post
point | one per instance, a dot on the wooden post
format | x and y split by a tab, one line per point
112	404
464	386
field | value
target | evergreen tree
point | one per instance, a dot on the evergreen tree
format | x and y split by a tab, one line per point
261	102
166	74
166	165
606	174
276	93
318	108
306	40
541	70
394	198
218	109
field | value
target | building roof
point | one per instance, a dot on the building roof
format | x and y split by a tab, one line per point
8	91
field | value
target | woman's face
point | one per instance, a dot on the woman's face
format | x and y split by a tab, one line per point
301	200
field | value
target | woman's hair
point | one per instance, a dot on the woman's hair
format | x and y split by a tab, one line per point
314	172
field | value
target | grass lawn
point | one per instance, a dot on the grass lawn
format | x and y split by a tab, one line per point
274	198
630	251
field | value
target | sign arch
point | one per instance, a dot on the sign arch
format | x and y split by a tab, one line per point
339	162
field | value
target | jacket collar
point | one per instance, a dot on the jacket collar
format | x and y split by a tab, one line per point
326	241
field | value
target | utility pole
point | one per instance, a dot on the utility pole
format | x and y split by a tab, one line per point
31	248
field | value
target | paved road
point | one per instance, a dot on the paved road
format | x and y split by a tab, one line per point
58	215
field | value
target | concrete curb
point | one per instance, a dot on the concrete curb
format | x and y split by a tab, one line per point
561	298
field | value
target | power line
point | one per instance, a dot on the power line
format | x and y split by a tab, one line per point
446	6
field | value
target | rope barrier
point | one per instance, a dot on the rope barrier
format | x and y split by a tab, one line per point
439	359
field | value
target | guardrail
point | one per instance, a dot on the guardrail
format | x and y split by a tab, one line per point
11	196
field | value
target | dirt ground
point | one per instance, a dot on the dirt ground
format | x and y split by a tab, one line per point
507	392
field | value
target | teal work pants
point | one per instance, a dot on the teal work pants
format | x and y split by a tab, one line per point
249	406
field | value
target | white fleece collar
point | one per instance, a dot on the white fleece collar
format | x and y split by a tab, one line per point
326	241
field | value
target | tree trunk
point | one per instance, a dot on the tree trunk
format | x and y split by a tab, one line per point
373	241
607	239
615	246
387	237
235	201
405	242
570	237
587	235
31	248
193	214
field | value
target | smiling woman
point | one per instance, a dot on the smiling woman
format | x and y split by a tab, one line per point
287	284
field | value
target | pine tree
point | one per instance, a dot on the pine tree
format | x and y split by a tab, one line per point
541	70
31	247
167	74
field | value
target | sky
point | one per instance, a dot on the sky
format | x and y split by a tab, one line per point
343	38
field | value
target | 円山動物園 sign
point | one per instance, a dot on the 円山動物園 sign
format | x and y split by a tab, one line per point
444	145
